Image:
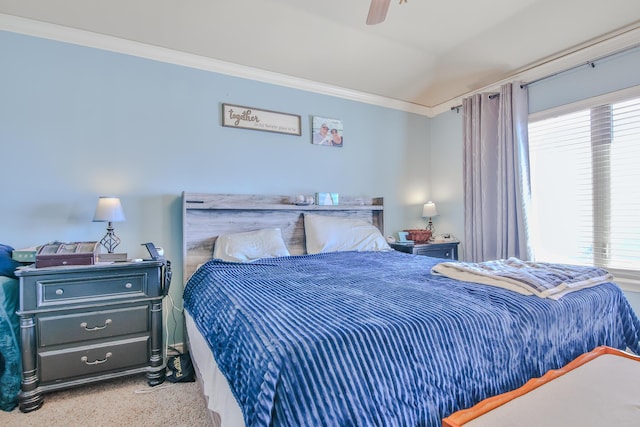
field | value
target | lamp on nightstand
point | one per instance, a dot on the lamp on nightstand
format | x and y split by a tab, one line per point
429	211
109	210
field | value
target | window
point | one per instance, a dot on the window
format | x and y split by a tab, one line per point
585	185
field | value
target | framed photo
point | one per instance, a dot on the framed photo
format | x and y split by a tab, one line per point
327	199
328	132
238	116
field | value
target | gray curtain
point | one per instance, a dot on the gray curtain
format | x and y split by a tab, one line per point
497	191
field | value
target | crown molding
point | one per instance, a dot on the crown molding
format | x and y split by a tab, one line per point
582	54
76	36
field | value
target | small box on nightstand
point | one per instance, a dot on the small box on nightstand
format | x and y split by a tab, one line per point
75	253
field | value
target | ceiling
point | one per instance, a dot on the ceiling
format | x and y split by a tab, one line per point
426	52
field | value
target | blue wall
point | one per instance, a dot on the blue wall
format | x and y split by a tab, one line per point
445	164
78	122
616	72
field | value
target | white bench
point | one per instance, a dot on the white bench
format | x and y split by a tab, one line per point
599	388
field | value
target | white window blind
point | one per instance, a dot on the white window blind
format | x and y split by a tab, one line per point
585	185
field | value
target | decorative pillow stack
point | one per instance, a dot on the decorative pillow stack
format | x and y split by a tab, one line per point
323	234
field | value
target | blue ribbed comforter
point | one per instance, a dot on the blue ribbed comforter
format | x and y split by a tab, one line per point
372	338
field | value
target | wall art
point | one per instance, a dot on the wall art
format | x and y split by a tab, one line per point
238	116
328	132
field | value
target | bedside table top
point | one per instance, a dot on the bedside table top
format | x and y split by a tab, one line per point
31	270
447	250
418	245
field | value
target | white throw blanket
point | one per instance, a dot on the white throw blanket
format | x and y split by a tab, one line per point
545	280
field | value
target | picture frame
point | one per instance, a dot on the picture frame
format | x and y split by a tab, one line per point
327	132
242	117
327	199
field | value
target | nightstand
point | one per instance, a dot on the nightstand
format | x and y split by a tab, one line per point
446	250
82	324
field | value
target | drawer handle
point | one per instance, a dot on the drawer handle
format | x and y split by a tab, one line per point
97	362
128	285
96	328
59	292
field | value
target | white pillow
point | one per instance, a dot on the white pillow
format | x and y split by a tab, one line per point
250	246
334	234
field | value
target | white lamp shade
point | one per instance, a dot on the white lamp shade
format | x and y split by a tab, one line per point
109	209
429	210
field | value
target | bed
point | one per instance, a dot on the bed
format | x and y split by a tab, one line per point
371	337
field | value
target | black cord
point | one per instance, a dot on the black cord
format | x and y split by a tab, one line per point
172	348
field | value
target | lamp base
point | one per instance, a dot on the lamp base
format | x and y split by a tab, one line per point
110	240
430	226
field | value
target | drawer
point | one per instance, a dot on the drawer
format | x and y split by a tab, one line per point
62	329
446	253
402	248
91	288
77	362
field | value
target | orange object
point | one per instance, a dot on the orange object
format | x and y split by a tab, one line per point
460	418
419	236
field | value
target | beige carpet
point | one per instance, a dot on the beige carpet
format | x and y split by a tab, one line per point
126	401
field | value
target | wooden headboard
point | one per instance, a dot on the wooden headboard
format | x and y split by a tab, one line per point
206	216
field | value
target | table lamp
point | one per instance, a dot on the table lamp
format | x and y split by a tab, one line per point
109	210
429	211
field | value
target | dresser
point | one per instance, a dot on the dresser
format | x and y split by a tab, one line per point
446	250
81	324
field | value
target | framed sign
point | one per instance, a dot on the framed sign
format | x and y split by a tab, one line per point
237	116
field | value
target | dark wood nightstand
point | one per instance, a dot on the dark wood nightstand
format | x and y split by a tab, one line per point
446	250
81	324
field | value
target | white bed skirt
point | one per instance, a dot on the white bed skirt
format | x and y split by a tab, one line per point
215	387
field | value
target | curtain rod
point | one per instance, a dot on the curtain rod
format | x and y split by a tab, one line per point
590	63
458	107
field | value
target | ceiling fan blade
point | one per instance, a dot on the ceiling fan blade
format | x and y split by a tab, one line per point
377	11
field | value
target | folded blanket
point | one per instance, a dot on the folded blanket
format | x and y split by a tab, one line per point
545	280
